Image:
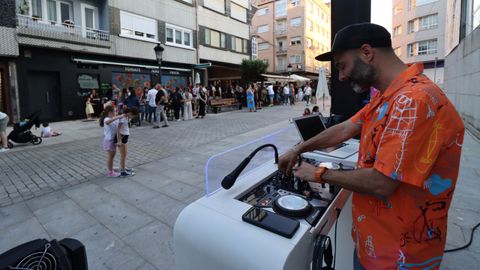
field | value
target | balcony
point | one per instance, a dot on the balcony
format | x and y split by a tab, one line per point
281	50
281	32
65	32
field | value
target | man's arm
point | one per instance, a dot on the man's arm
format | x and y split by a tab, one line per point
367	181
330	137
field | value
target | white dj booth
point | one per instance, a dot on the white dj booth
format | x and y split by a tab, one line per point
210	233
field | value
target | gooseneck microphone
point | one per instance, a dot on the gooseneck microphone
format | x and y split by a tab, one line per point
230	179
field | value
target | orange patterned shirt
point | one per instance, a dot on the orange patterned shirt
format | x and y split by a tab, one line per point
412	134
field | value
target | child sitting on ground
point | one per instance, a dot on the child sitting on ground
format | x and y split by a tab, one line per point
48	132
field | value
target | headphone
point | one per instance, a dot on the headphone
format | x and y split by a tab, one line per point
322	252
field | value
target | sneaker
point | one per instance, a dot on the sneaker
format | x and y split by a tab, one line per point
165	126
113	174
4	150
178	120
130	170
126	174
156	127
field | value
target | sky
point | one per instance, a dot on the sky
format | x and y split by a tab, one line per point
381	13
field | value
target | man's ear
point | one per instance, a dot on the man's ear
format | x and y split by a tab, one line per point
367	53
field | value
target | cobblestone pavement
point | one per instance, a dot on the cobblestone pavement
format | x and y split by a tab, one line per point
30	171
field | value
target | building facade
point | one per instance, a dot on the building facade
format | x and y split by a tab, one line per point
290	33
61	50
462	65
224	37
418	34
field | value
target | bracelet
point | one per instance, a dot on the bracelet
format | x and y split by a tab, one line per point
319	173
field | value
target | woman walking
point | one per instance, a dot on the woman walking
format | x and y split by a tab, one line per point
250	99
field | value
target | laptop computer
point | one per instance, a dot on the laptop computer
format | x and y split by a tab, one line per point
311	125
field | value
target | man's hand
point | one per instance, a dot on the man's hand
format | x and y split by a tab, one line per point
287	161
305	172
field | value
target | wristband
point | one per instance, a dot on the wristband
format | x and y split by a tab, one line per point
319	173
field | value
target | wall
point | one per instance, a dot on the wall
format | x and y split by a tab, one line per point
462	78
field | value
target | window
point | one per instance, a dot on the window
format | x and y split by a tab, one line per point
217	5
263	46
223	40
397	9
188	1
422	48
238	12
424	2
36	8
178	36
239	45
398	51
138	27
265	61
295	59
397	31
296	21
476	14
295	3
255	48
309	25
423	23
262	28
295	41
309	43
281	8
263	11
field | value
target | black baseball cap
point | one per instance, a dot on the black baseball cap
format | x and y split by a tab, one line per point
354	36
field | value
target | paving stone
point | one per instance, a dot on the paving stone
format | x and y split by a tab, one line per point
155	243
23	231
106	251
163	208
64	219
130	191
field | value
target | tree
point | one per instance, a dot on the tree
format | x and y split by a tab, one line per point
251	70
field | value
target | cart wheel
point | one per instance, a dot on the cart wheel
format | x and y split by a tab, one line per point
10	145
36	140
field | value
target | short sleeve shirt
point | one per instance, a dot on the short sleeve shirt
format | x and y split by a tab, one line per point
412	134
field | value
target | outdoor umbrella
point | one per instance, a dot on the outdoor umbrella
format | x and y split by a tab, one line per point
197	78
322	87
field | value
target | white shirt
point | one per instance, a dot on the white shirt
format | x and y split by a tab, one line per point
308	91
286	91
46	131
151	94
123	125
109	131
270	90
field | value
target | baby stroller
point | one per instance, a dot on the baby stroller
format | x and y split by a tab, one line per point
21	131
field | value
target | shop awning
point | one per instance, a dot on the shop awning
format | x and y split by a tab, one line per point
91	61
291	78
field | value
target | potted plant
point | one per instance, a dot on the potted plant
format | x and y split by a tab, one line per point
24	8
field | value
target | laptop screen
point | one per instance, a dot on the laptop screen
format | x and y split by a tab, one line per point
309	126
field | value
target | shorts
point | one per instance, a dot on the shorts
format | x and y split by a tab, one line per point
3	124
109	145
123	139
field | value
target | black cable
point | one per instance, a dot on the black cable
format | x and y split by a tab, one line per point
468	244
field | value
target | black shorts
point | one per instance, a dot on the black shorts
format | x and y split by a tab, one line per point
123	138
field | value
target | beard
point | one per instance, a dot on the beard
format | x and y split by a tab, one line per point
362	76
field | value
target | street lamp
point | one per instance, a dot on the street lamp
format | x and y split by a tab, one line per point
159	54
289	69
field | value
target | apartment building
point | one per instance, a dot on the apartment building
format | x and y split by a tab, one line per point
290	33
224	37
59	50
418	34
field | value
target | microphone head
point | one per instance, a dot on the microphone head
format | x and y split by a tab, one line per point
228	181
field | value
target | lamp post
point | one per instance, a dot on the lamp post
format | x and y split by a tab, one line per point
159	54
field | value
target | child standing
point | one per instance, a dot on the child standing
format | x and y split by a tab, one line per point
123	131
109	122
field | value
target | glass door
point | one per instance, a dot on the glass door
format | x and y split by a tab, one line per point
89	19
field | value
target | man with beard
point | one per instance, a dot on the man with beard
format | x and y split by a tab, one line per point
410	146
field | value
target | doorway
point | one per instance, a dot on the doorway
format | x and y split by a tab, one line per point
44	94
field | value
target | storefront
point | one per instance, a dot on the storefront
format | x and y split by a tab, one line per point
58	82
